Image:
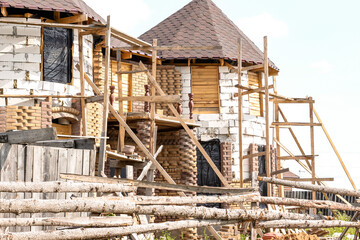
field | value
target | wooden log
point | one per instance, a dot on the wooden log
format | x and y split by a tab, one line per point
306	224
42	96
308	179
28	136
120	206
240	113
82	87
325	189
152	99
295	124
94	99
106	233
148	165
168	48
280	171
157	185
53	187
70	222
267	115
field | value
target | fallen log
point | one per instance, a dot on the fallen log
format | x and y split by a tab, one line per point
53	187
157	185
306	224
106	233
125	207
70	222
325	189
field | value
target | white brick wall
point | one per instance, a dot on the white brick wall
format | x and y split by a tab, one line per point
224	126
20	60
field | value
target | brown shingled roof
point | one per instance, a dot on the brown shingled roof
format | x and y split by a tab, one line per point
201	22
71	6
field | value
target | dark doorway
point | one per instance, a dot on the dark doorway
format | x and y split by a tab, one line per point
262	171
205	174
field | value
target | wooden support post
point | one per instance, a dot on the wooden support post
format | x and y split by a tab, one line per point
267	115
277	136
335	150
82	85
102	152
240	114
312	142
121	135
153	105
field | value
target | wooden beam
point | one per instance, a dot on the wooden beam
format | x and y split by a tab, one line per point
28	136
148	165
267	115
131	72
295	101
335	150
121	133
78	18
4	11
158	185
301	157
59	25
169	48
240	112
256	90
308	180
94	99
136	41
102	151
152	104
249	68
126	55
41	96
153	99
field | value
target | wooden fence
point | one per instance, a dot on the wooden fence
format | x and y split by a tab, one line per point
320	196
26	163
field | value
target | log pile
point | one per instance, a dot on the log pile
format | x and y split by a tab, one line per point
113	216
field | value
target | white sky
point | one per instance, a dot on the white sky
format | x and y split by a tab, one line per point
316	46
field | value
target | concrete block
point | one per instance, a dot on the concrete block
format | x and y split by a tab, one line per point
28	31
228	103
35	76
33	41
186	82
35	49
234	130
21	102
6	30
22	19
226	82
186	76
12	39
227	89
208	117
34	58
6	66
183	70
6	57
27	66
232	123
224	69
6	83
249	131
6	48
228	116
186	90
12	74
23	84
218	124
225	96
224	130
48	86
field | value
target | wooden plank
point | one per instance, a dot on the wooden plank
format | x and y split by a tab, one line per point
94	99
280	171
153	105
28	176
28	136
4	11
129	72
312	146
20	177
158	185
168	48
153	99
59	25
302	157
101	165
37	177
295	101
296	124
82	87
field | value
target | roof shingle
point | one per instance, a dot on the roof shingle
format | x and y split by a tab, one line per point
201	22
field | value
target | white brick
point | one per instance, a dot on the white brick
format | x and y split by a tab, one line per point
234	130
34	58
33	41
218	124
183	70
6	66
186	82
208	117
12	39
28	31
228	116
27	66
249	131
224	130
6	48
232	123
6	57
32	20
223	69
29	84
228	103
228	76
6	30
35	76
27	49
6	83
227	89
226	82
186	90
12	74
225	96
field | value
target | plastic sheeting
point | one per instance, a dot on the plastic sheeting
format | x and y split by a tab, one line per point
57	57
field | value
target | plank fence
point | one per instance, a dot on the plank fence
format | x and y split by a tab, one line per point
26	163
320	196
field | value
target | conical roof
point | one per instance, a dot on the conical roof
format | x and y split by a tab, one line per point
201	22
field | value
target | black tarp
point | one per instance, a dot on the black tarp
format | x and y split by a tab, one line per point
262	171
205	174
57	57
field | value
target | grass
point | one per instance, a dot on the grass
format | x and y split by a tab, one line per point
343	217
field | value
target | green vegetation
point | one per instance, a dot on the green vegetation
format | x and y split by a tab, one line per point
343	217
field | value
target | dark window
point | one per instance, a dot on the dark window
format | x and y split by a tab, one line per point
57	57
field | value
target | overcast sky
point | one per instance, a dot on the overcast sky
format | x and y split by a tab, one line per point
316	46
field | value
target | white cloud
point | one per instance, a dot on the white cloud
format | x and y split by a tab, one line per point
256	27
323	66
125	15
